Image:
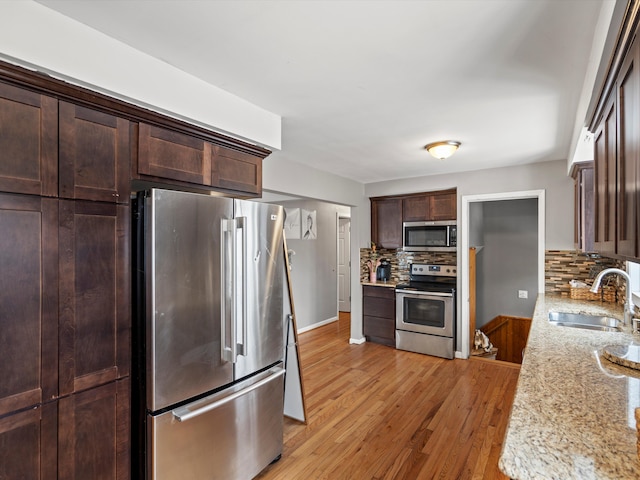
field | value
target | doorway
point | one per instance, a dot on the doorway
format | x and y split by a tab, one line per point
470	206
344	264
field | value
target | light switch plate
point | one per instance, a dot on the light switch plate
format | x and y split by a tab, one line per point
523	294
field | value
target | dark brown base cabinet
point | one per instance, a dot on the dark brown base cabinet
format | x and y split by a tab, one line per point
82	436
379	308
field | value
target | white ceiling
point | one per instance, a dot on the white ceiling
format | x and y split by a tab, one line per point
362	86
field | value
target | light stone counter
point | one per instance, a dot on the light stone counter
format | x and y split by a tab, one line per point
380	283
573	412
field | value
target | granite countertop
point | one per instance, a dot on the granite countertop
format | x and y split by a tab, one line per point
573	412
380	283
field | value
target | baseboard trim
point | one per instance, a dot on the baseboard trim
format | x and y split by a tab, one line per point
317	325
357	341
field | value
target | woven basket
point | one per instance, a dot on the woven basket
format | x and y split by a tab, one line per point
607	294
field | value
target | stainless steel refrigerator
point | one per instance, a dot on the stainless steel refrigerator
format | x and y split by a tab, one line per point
209	336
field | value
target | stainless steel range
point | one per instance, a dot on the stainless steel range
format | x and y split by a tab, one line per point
426	310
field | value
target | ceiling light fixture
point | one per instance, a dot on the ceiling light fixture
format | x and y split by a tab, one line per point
442	149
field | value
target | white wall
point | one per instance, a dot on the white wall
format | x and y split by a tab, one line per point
33	36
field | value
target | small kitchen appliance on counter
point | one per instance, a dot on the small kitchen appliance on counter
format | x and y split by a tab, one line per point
383	272
426	310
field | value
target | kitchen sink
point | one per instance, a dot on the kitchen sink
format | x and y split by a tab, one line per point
582	320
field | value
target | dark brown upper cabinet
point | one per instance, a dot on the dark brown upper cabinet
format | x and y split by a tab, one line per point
628	158
234	170
28	301
605	180
429	207
94	155
28	142
386	222
94	294
167	155
584	213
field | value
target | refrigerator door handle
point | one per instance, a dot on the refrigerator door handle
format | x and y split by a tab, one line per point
228	351
183	414
241	223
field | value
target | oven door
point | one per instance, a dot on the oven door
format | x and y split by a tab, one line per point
425	312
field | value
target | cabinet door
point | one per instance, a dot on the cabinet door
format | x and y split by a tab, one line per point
94	294
442	206
28	444
605	180
584	208
235	170
93	434
28	301
94	155
28	142
379	312
174	156
386	222
415	209
628	153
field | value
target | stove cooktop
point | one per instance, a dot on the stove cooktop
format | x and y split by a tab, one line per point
437	278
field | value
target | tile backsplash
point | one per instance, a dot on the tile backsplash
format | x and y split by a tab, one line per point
561	266
400	261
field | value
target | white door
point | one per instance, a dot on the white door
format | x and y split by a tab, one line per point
344	265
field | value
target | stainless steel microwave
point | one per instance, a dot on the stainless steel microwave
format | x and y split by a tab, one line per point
436	236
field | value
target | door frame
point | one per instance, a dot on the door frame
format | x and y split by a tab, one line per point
338	218
463	350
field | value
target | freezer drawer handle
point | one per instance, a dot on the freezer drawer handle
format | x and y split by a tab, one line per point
183	414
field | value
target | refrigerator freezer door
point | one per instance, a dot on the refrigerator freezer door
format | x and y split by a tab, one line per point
259	309
233	434
182	268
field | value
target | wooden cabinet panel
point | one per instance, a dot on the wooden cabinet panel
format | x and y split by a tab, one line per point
443	206
175	156
28	142
28	444
28	301
94	294
379	314
235	170
584	207
93	433
386	222
415	209
94	155
605	180
429	207
628	143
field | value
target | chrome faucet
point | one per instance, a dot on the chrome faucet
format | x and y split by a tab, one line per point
629	307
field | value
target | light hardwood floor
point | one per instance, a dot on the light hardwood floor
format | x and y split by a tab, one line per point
379	413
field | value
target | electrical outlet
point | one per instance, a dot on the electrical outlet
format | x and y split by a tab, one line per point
523	294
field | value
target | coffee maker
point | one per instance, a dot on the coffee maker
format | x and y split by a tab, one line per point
383	272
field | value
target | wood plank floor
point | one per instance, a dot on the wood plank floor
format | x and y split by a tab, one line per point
379	413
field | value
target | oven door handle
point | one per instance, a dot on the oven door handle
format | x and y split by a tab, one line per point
425	293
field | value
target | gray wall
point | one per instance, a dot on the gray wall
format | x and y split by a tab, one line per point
314	269
296	179
508	261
